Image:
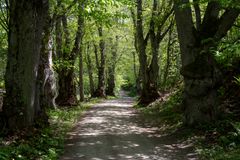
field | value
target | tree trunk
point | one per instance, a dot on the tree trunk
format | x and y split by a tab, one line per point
200	72
141	45
150	74
100	92
81	87
25	36
58	29
47	82
78	50
90	71
167	65
67	90
67	86
153	69
111	69
137	75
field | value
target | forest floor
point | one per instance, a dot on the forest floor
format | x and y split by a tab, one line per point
114	130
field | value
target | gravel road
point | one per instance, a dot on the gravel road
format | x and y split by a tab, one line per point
113	130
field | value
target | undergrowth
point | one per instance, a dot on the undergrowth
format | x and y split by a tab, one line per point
221	141
44	144
216	141
166	110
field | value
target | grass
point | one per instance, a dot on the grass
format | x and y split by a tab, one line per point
44	144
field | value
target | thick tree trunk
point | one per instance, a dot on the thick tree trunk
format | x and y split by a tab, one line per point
153	73
100	91
67	88
21	107
200	90
201	75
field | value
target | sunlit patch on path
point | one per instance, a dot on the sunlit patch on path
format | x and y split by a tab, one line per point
112	130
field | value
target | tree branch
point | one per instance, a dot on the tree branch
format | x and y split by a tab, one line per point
164	20
197	14
162	35
227	20
210	20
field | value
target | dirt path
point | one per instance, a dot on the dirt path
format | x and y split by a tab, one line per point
112	130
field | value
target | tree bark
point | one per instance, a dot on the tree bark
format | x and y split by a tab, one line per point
168	63
47	83
81	87
90	71
78	50
111	69
137	74
67	87
100	91
201	74
150	74
25	36
141	45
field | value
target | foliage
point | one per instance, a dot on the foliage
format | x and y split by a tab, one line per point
237	80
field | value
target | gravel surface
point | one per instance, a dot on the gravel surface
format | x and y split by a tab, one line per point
112	130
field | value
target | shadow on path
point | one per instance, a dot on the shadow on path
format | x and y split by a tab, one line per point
112	130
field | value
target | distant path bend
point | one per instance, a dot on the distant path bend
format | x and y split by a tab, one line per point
112	130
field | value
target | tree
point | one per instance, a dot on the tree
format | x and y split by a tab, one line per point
199	69
158	28
78	49
67	56
47	82
27	20
89	68
100	91
112	68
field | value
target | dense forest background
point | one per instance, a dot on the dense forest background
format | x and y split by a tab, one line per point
58	53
